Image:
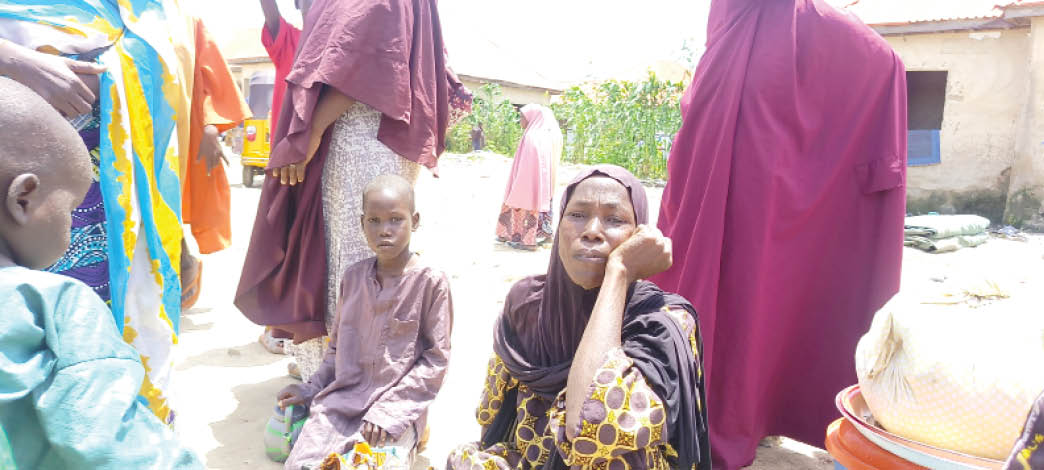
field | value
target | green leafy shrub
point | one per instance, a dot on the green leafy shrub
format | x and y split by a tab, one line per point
631	124
499	118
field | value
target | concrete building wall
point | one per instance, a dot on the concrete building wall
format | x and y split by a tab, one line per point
1026	191
243	72
986	96
517	95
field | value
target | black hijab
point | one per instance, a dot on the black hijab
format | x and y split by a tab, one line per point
544	319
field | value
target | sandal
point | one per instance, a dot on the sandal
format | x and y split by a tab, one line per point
271	344
190	288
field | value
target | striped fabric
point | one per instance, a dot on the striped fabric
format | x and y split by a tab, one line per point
140	100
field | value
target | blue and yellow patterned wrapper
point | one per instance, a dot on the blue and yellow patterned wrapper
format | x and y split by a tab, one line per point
140	100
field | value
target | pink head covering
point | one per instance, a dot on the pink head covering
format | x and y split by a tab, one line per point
530	185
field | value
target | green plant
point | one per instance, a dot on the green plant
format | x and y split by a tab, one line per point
630	124
458	137
499	118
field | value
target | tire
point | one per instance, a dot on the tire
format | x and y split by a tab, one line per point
248	176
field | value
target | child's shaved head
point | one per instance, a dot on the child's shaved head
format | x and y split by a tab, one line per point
45	172
395	183
34	138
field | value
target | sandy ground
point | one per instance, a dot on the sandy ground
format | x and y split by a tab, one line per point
225	382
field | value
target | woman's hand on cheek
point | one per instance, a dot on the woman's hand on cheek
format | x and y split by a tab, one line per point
644	255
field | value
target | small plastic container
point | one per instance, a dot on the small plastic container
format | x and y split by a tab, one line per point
852	451
282	430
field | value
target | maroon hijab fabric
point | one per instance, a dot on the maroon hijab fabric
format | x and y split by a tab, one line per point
785	204
387	54
544	319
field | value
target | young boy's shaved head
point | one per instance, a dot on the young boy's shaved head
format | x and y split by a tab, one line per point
34	138
45	171
395	183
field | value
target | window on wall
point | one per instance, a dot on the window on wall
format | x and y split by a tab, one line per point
926	100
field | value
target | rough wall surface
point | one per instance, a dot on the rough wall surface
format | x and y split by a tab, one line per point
986	96
517	95
1026	193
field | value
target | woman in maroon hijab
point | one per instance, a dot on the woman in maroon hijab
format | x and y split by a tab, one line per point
785	203
369	94
594	367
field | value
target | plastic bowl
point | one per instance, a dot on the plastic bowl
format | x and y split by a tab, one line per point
853	407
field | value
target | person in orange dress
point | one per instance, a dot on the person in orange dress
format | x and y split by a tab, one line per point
217	105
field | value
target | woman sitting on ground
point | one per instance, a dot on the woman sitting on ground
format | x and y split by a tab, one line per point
594	368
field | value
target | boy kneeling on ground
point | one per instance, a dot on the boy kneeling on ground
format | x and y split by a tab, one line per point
68	382
390	346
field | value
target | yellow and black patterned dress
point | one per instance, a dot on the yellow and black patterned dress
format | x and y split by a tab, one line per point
622	421
1029	450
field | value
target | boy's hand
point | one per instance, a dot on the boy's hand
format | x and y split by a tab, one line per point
374	435
291	395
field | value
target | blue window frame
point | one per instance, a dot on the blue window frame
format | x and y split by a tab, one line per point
926	104
922	147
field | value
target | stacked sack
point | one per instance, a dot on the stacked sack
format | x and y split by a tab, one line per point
945	233
954	377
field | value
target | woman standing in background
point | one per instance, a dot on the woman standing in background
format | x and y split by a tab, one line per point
525	218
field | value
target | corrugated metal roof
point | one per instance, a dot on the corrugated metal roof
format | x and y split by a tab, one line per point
1024	3
901	12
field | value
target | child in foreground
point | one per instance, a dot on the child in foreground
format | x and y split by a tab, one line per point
390	346
68	382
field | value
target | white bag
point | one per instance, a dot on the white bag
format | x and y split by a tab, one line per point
954	377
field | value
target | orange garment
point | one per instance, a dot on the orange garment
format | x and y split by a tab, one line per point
217	101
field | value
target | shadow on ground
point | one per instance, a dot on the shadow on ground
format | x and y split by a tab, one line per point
776	453
240	435
188	323
246	355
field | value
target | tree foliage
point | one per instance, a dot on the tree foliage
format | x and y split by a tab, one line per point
500	120
630	124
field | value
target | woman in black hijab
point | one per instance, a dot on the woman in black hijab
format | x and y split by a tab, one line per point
593	367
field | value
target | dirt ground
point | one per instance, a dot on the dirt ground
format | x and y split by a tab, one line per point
225	382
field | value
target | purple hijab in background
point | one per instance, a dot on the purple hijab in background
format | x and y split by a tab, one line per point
545	317
387	54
